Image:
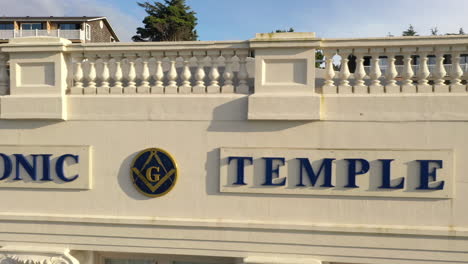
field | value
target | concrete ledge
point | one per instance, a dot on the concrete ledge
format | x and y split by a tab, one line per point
28	107
284	107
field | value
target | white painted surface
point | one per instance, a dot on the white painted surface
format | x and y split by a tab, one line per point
195	218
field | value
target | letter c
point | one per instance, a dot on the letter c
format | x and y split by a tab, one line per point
59	167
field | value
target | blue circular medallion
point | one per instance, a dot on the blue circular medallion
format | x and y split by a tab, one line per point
153	172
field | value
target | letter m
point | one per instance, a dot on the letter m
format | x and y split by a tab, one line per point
325	167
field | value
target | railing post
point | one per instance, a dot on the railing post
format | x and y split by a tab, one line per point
329	87
38	79
440	72
344	87
3	74
284	77
360	87
391	85
408	73
456	86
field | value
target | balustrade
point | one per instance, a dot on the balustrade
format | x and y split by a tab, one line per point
161	72
396	65
404	69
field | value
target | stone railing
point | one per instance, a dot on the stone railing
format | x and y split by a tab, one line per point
160	68
410	78
275	73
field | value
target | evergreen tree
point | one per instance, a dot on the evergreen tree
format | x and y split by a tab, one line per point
434	31
461	31
169	21
410	31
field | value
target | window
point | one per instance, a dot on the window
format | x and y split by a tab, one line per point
6	26
69	26
88	32
31	26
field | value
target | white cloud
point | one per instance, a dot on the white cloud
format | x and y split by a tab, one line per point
125	25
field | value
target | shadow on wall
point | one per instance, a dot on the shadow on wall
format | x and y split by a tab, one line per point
27	124
236	110
124	180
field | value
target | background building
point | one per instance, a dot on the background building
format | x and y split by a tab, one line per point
77	29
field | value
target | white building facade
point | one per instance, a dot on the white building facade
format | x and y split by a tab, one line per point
232	152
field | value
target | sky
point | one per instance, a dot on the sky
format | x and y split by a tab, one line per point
241	19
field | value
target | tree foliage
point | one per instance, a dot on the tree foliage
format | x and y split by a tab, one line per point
410	31
169	21
284	30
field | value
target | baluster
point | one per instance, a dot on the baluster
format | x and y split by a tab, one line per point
439	72
391	73
186	87
344	87
104	88
144	76
91	88
242	75
4	80
117	88
171	87
200	74
423	73
158	74
456	73
359	74
375	72
329	87
78	76
408	73
131	86
214	74
227	74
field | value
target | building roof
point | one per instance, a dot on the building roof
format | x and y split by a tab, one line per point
51	18
65	19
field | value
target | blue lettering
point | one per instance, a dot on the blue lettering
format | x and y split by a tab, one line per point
60	170
352	171
271	172
7	166
326	166
240	168
426	174
386	176
46	167
28	167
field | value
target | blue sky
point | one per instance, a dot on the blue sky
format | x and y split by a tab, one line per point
241	19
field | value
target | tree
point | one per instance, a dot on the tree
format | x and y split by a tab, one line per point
169	21
284	30
410	31
461	31
434	31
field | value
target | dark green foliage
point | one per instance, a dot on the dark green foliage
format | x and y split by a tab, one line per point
410	31
169	21
284	30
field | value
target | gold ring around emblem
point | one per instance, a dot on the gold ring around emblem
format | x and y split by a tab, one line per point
146	177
